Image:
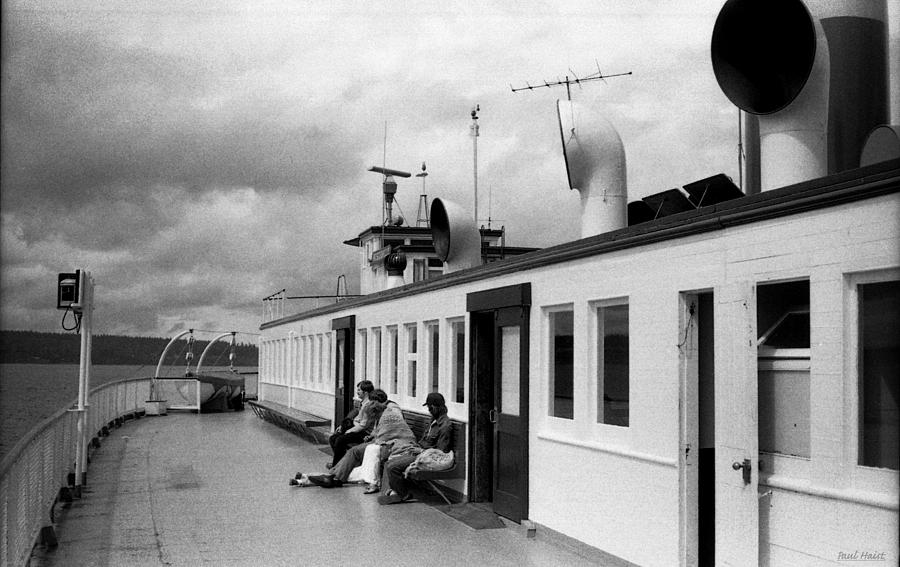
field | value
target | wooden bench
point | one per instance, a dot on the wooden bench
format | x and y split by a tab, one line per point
296	421
419	423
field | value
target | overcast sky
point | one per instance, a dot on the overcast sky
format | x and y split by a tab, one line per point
196	159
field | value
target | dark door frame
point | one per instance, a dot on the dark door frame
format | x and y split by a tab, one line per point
484	308
345	328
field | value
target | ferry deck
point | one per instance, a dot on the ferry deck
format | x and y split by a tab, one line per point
189	489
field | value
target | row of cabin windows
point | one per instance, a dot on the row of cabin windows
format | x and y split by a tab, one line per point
612	375
298	361
783	369
379	344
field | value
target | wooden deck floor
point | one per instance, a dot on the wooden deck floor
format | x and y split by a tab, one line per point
188	489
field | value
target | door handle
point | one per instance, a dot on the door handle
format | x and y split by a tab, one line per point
747	468
492	416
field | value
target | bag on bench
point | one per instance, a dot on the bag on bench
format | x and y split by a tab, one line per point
431	460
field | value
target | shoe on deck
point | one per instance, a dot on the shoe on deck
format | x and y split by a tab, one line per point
325	481
392	498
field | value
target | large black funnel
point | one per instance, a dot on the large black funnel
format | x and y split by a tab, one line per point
763	52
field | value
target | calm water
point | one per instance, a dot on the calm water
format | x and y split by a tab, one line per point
30	393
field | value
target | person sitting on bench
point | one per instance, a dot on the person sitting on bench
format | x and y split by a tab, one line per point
438	435
355	427
391	428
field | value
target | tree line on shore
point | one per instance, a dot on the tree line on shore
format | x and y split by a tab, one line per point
32	347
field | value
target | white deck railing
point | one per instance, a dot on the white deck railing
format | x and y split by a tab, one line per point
38	466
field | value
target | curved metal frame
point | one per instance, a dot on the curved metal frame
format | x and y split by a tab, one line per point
203	354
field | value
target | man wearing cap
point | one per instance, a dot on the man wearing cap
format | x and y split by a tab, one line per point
438	435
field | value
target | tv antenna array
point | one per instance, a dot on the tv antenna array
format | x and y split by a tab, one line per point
569	81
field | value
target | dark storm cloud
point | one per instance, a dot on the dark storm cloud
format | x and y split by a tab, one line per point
197	158
86	119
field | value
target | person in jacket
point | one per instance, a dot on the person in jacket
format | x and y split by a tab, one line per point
438	436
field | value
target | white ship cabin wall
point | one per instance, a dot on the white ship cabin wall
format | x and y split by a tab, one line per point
716	385
617	464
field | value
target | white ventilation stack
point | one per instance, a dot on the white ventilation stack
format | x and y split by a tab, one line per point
456	237
815	74
595	164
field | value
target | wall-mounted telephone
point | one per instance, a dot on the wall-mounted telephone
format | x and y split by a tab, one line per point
68	290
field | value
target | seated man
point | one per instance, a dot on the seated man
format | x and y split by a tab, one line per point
438	435
390	428
360	426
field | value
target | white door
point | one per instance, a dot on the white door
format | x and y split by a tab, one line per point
736	461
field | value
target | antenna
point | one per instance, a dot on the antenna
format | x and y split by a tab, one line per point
490	202
568	82
389	188
474	128
422	215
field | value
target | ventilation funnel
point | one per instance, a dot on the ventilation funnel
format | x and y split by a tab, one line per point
595	165
815	73
771	59
457	240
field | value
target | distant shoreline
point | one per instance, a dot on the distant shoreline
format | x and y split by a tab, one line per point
32	347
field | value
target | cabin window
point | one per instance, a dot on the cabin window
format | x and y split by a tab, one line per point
561	332
434	353
879	374
412	359
376	358
323	358
362	355
613	380
317	344
304	364
458	361
393	359
297	351
310	361
783	369
329	360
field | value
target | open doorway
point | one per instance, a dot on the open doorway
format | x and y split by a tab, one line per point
697	467
498	407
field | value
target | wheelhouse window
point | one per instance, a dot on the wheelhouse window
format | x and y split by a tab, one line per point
879	374
425	268
613	379
435	268
561	333
419	271
458	362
